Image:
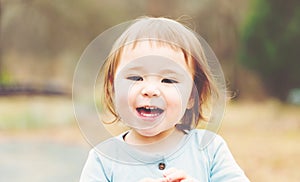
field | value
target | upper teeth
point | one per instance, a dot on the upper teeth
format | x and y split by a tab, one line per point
150	107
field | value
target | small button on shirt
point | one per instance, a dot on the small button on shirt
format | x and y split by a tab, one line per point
161	166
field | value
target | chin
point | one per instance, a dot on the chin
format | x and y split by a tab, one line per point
148	133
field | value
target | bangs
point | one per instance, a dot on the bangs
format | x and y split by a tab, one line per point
159	32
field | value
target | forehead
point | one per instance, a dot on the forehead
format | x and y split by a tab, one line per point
141	49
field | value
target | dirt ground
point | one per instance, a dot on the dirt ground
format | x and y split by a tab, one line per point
263	137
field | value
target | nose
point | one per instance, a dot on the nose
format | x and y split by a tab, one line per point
150	90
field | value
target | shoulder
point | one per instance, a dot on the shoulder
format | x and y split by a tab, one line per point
223	166
109	148
206	139
101	159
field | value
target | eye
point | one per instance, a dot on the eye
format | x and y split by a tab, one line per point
166	80
135	78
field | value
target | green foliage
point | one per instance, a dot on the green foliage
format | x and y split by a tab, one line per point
270	44
5	78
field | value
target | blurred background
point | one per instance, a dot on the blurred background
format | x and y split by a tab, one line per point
257	43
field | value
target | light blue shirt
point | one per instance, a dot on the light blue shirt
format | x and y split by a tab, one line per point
203	155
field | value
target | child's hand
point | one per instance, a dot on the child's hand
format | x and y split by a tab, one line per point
176	175
172	175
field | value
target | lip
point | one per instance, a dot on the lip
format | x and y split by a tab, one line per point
149	113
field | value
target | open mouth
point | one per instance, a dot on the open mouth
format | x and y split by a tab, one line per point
149	111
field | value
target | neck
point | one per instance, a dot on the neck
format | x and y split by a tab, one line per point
135	138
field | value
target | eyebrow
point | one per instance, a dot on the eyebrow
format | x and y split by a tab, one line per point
166	71
172	72
135	68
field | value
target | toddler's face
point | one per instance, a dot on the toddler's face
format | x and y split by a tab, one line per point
152	87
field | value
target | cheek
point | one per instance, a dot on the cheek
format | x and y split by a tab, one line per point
175	108
179	96
173	97
125	93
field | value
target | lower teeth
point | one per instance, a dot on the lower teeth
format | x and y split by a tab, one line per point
149	115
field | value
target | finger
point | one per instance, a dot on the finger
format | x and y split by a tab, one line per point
189	180
161	180
176	175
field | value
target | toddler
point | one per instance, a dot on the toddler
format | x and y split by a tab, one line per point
157	81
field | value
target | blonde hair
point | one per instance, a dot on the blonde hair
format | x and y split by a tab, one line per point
166	32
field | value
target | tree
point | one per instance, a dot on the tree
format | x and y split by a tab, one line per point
0	43
270	44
